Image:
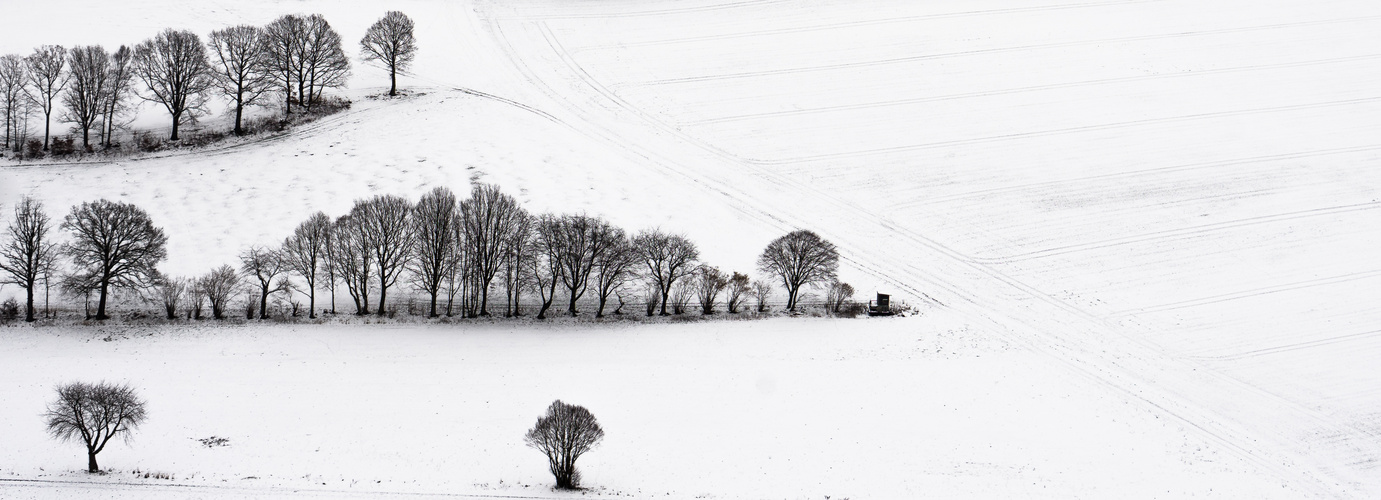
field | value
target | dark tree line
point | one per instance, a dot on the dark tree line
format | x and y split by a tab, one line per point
296	57
456	252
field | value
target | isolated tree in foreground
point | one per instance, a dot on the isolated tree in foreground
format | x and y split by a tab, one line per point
46	80
668	258
114	245
26	252
174	68
94	413
218	286
799	258
563	434
305	253
240	68
261	265
389	40
86	89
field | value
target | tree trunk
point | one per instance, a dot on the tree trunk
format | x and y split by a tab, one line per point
571	309
484	301
311	302
47	121
666	295
239	112
176	120
86	139
435	291
264	302
100	306
791	298
393	79
29	311
91	466
383	292
599	313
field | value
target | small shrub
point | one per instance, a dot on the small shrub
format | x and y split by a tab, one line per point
62	146
9	310
33	149
147	143
563	434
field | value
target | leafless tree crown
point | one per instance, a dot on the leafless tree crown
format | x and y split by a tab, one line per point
87	89
563	434
492	221
240	67
306	253
26	254
390	41
668	258
799	258
47	77
435	248
14	76
93	414
176	73
218	286
114	245
262	265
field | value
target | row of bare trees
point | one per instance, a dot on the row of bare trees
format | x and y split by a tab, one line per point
296	57
459	253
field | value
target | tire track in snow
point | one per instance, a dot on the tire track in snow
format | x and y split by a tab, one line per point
1020	90
1178	233
1091	360
854	24
996	50
238	492
1255	292
1293	347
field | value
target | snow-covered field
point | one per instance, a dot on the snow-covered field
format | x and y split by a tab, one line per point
1172	202
879	408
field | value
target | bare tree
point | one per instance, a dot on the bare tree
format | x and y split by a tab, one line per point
681	295
385	221
240	67
26	254
516	251
305	253
283	39
323	61
218	286
563	434
87	89
762	291
584	240
668	258
434	224
262	265
739	287
196	298
490	219
114	245
171	292
118	84
799	258
709	282
46	80
14	77
389	40
544	265
615	268
838	295
352	259
94	413
174	68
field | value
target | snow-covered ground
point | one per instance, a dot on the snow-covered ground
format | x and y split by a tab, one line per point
1172	201
786	408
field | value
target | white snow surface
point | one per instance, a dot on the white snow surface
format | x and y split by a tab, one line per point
1164	212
